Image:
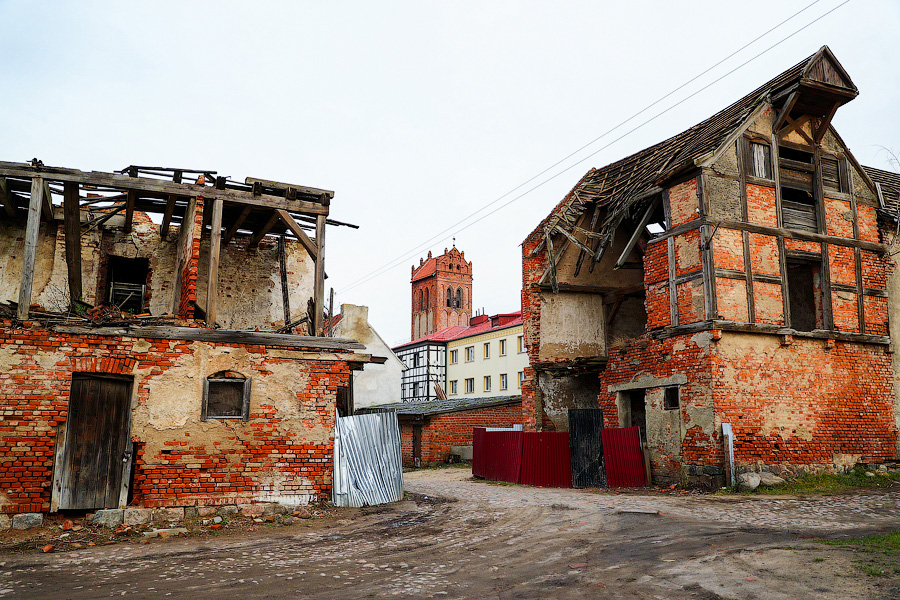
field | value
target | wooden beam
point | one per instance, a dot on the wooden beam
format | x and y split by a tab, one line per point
277	185
785	111
259	235
129	210
215	243
167	217
637	233
125	182
291	224
285	292
46	205
320	274
823	126
31	242
72	228
8	201
236	225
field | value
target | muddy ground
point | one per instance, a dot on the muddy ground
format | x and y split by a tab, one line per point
459	538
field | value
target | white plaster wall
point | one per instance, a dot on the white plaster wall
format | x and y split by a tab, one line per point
511	364
376	384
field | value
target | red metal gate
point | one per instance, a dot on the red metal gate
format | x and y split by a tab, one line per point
623	457
540	459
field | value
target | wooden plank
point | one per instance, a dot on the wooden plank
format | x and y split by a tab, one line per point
167	217
637	233
291	224
72	228
319	297
278	185
129	210
285	292
785	111
125	182
881	340
29	256
254	338
9	204
259	235
236	225
46	204
215	244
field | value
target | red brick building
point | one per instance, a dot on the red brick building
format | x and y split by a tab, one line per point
441	293
734	273
127	377
429	429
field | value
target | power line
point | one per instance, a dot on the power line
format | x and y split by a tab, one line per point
438	237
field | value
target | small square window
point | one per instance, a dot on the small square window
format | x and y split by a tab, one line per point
487	383
453	390
487	349
521	378
226	397
470	385
503	381
521	342
470	353
759	163
502	347
454	357
671	398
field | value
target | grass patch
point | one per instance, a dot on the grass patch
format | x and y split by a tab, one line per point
830	483
888	544
873	570
818	559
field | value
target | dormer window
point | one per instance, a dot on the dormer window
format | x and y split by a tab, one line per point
799	207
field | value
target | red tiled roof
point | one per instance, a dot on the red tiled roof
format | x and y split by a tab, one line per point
425	270
449	334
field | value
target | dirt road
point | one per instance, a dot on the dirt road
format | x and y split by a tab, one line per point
497	541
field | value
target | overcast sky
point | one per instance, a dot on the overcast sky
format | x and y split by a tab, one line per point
416	114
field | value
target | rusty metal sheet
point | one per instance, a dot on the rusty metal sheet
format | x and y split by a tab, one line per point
623	457
546	460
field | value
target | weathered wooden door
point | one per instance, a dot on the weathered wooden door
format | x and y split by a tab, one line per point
93	454
417	445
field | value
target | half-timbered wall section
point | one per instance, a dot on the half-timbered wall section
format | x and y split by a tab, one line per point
157	361
752	244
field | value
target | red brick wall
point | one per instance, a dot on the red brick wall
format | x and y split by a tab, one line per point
533	267
454	429
189	261
180	464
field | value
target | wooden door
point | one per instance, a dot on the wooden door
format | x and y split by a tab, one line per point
93	458
417	445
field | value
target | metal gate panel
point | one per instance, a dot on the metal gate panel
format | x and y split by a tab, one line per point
478	451
586	443
503	455
546	460
623	457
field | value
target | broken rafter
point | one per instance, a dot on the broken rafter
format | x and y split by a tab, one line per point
6	199
637	233
297	231
264	231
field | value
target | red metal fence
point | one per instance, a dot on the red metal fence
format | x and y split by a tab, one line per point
540	459
623	457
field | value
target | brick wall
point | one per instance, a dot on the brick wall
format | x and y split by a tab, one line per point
282	453
454	429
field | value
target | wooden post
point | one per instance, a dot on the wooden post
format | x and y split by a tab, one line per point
31	240
129	203
285	295
215	242
319	293
330	331
72	227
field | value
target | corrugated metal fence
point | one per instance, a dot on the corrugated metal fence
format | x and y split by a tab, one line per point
623	457
540	459
368	467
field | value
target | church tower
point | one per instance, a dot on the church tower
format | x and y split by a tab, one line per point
441	293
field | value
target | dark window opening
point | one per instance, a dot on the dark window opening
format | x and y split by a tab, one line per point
759	160
787	153
344	401
657	223
449	297
127	279
226	395
671	398
804	295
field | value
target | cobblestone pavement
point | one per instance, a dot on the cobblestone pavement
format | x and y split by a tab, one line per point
502	542
815	515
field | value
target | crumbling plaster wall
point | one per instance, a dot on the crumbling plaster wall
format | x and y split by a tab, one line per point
281	454
559	394
250	283
50	288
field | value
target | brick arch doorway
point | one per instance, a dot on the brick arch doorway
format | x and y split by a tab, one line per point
93	454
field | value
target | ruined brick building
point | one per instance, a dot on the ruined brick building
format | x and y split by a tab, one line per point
157	363
734	273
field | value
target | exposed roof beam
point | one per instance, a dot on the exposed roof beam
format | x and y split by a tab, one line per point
819	132
277	185
785	111
291	224
167	217
259	235
46	203
236	225
124	182
637	233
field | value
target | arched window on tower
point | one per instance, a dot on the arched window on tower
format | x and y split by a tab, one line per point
449	297
459	298
419	305
425	300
